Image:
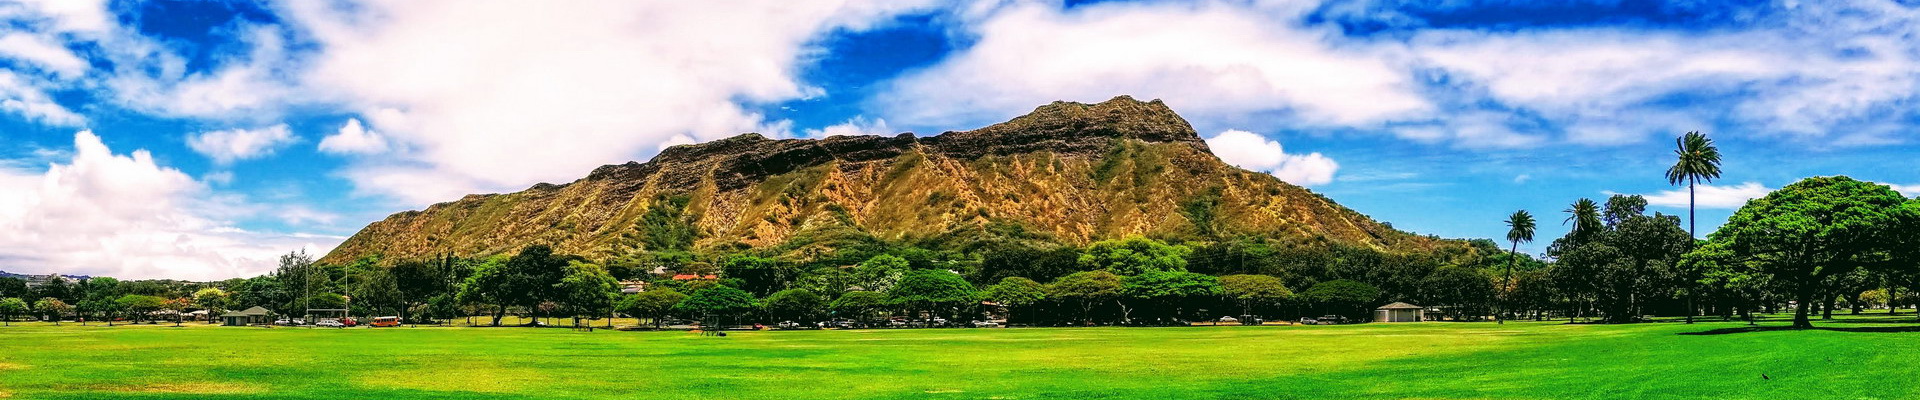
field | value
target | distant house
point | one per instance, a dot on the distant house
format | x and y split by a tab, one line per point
252	316
631	287
692	277
1399	312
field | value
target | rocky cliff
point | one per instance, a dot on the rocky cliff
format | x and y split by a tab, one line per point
1074	172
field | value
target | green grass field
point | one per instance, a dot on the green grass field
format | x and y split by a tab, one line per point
1869	357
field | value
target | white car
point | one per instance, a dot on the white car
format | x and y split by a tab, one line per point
330	323
986	324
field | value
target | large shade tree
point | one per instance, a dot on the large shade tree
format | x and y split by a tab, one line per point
938	292
1816	229
1252	292
1086	289
653	304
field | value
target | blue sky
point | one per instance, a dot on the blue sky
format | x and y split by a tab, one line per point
199	139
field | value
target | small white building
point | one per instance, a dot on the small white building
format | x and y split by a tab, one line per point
1399	312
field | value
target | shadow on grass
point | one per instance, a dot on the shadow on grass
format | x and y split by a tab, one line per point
1862	329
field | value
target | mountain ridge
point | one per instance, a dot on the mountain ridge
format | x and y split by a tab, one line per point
1077	172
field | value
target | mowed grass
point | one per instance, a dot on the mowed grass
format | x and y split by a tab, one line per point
1861	358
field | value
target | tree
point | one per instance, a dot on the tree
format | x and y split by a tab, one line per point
1465	291
1174	292
1016	292
880	273
860	304
1696	159
532	278
1135	255
716	301
179	307
1584	215
416	282
653	304
487	286
10	307
301	279
140	305
1621	206
1086	289
213	300
1254	291
1816	229
1519	229
53	308
937	292
13	287
587	291
797	305
377	292
1342	297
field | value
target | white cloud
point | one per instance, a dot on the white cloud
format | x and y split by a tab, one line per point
1207	59
231	145
1907	190
1254	152
43	52
354	139
1522	178
1711	196
102	213
854	127
21	97
499	95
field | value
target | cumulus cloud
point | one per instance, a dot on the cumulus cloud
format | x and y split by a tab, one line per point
1210	59
853	127
231	145
101	213
354	139
1254	152
1711	196
498	95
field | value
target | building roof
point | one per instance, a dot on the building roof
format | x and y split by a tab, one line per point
1400	306
688	277
256	310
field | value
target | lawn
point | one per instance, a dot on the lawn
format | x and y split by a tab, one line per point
1868	357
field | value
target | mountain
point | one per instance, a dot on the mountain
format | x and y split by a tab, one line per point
1067	172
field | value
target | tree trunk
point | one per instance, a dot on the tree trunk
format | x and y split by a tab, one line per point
1800	313
1826	309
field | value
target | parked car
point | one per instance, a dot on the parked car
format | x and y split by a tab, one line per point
1330	320
1229	319
329	323
986	324
348	321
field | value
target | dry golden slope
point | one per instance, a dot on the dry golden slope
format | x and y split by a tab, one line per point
1081	172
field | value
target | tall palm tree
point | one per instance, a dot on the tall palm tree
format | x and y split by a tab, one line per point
1585	217
1697	160
1519	229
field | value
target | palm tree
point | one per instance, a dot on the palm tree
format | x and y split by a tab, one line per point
1585	217
1697	160
1519	229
